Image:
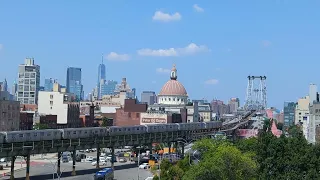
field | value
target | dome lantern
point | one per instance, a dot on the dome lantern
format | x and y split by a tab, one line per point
173	75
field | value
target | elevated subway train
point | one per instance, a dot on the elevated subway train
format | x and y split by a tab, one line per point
76	133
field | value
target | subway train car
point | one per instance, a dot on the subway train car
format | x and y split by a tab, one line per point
2	137
154	128
126	130
76	133
213	124
33	135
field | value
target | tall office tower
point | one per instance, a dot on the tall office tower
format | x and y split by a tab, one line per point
313	89
74	84
288	112
107	87
4	85
234	104
29	82
48	84
14	90
148	97
101	76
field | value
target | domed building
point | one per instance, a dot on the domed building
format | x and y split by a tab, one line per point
173	92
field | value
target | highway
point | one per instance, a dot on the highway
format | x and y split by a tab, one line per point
43	169
84	170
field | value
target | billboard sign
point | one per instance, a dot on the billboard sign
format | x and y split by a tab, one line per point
153	118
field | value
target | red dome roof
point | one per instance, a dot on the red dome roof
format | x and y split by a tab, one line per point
173	88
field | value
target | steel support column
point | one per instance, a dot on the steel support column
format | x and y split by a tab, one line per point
112	158
73	163
28	167
98	157
13	159
182	150
59	163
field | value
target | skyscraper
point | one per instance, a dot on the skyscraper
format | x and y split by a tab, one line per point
48	84
74	84
288	111
148	97
107	87
101	76
4	85
14	90
29	82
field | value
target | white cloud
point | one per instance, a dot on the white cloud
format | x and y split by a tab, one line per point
163	70
166	17
266	43
212	81
117	57
192	48
197	8
1	46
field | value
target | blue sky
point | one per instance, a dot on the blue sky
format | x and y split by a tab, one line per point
220	42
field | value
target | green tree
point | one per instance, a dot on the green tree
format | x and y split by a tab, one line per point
248	145
39	126
226	162
104	122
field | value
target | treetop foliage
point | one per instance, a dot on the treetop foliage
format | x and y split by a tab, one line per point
264	157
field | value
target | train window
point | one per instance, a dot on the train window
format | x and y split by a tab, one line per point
69	133
119	129
101	130
138	129
48	134
42	134
128	129
55	133
35	134
85	132
20	135
28	134
74	132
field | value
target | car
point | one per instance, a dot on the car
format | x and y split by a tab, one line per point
89	158
122	160
144	166
103	163
65	159
3	160
109	157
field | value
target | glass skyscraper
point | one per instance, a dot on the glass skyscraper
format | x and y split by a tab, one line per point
108	87
48	84
74	84
101	76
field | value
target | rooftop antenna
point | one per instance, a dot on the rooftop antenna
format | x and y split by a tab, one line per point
102	58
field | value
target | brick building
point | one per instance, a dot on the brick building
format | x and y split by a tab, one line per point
26	120
129	115
49	120
9	115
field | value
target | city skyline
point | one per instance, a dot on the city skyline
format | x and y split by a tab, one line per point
230	40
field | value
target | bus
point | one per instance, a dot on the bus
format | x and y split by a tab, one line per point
104	174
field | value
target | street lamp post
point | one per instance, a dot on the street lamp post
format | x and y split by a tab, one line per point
186	142
138	164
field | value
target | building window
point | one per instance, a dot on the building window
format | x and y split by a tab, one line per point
174	99
129	115
51	96
51	103
169	99
137	115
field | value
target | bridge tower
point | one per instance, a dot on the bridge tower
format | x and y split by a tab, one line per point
256	97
